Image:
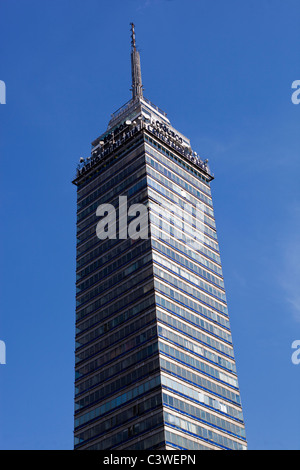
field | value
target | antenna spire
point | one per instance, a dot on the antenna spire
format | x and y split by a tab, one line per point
137	87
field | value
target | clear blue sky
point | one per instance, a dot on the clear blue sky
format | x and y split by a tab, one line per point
223	71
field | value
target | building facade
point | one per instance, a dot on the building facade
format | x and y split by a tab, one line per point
155	366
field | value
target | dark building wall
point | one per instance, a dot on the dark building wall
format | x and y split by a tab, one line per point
118	391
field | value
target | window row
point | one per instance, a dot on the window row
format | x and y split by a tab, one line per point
187	275
190	290
195	333
203	415
118	419
105	271
122	250
161	214
154	441
113	180
132	372
161	186
117	351
127	434
183	192
114	163
100	373
189	304
113	335
199	380
110	340
186	250
109	194
184	443
114	280
197	364
177	159
120	382
117	291
184	261
107	249
118	401
165	165
105	315
201	398
140	197
174	237
196	349
138	191
201	432
119	304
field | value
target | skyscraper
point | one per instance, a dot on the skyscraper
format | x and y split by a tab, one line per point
155	366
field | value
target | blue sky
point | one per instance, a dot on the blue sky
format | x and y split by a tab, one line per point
223	72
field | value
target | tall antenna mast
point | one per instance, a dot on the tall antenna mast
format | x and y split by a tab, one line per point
137	87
